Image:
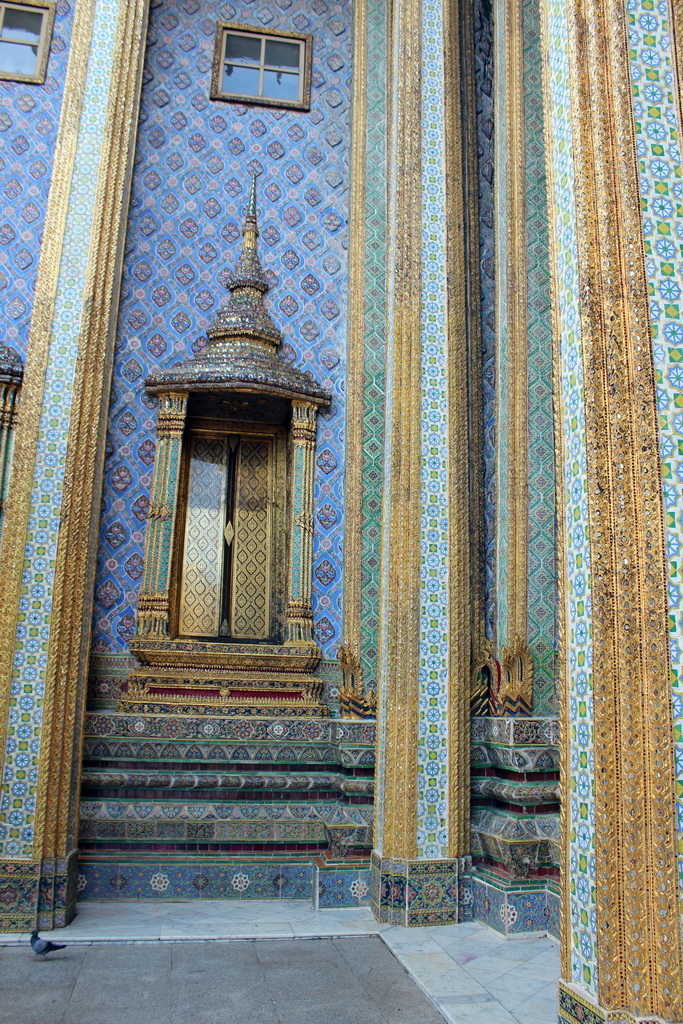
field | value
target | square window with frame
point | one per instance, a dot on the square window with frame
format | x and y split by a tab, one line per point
25	33
261	66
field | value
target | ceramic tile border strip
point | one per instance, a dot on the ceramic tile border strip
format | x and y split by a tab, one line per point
577	919
635	821
437	572
459	257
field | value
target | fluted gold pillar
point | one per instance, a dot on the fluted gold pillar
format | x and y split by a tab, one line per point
422	781
613	138
55	484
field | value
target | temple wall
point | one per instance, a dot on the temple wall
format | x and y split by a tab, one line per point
29	119
192	167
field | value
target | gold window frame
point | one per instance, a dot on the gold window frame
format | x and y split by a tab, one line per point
48	10
306	51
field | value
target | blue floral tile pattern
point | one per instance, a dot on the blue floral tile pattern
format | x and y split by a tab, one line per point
29	120
193	164
432	751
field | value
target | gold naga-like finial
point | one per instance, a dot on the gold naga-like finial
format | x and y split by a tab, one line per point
250	225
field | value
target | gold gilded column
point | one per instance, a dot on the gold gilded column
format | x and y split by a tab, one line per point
633	931
515	692
153	603
71	339
422	782
302	448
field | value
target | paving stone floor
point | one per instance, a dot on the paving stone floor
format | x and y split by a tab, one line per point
315	981
166	962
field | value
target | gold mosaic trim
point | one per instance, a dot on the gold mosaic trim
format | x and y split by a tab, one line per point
459	456
562	618
638	910
517	378
399	635
26	441
355	355
676	8
72	601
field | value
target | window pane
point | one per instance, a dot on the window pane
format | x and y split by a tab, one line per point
17	59
243	81
282	55
280	86
243	49
22	26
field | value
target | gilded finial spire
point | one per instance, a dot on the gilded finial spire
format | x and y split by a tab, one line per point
245	315
250	225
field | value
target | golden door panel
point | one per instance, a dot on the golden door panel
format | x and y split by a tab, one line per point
251	554
202	572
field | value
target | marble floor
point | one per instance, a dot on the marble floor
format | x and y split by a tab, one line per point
467	971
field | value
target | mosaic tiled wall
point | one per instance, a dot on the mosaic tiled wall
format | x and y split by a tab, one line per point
541	492
29	119
193	163
660	168
26	699
483	69
577	608
375	326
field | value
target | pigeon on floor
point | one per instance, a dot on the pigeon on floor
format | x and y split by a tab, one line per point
41	947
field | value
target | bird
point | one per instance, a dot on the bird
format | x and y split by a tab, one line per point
41	947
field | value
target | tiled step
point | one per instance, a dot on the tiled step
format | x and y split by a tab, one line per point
147	823
228	782
153	738
183	784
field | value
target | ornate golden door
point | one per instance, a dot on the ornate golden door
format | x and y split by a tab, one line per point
226	565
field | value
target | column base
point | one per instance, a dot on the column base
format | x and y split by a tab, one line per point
416	893
35	894
578	1007
529	906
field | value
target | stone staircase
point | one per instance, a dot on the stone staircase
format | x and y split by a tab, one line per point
190	806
